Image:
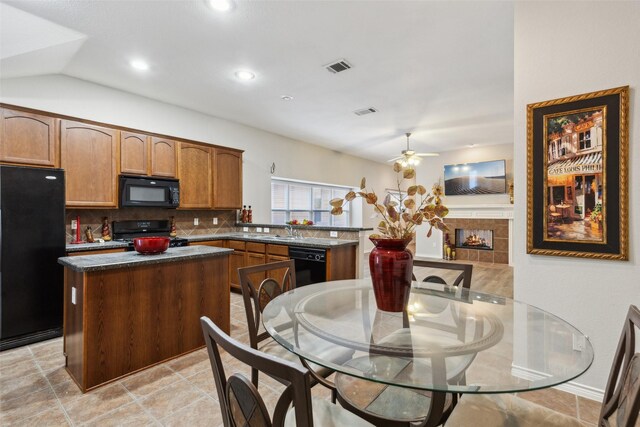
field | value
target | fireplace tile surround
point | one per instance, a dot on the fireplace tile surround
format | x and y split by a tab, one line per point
497	218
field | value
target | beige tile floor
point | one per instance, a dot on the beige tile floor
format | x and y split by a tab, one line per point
35	389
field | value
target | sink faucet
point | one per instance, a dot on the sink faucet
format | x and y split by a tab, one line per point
289	229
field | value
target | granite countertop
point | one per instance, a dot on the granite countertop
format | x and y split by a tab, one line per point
309	242
130	259
303	227
79	247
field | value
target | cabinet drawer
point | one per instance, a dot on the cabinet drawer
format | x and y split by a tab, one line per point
255	247
215	243
282	250
236	245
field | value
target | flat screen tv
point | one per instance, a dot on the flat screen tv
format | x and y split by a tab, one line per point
475	178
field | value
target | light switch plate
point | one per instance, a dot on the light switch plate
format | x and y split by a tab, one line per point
73	295
74	224
333	234
215	221
258	229
196	221
245	229
266	230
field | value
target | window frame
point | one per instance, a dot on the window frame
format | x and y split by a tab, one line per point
288	210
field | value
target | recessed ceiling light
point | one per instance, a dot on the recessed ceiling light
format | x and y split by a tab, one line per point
286	98
245	75
220	5
139	64
471	145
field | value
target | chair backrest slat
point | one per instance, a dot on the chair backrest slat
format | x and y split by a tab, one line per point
463	278
622	394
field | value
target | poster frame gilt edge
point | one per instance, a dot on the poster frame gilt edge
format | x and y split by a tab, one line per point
534	177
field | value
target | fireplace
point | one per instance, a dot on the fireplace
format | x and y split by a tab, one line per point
473	238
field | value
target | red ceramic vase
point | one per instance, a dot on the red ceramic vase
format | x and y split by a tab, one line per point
391	266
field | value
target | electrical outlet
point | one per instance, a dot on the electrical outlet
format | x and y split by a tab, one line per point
215	221
266	230
74	224
579	342
196	221
333	234
245	229
259	230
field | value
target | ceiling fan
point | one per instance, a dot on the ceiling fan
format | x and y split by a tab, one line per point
410	157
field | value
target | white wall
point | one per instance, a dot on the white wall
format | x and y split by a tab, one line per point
294	159
431	170
564	49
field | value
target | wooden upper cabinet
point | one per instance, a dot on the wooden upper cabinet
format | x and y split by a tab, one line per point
134	153
27	138
227	183
194	162
163	157
89	154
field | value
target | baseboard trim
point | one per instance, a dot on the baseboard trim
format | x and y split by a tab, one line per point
572	387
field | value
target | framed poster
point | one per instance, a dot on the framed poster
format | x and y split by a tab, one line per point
577	154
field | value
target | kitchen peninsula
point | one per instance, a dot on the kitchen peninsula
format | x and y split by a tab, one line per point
124	311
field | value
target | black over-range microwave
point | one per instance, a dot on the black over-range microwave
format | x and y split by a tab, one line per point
137	191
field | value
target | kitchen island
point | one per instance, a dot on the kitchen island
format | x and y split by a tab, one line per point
124	312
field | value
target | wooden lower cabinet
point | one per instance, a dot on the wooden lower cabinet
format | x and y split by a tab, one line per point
236	261
256	259
120	321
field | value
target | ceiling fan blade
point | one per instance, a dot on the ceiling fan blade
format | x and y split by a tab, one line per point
427	154
394	159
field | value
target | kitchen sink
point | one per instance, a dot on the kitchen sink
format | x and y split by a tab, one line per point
278	237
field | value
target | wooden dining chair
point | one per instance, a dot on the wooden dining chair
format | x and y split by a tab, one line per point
620	406
260	284
464	278
241	403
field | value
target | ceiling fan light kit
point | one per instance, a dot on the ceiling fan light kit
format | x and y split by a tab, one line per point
410	158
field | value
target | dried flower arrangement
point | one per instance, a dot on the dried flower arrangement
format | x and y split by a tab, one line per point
401	212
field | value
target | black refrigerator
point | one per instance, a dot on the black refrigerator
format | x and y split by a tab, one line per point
32	238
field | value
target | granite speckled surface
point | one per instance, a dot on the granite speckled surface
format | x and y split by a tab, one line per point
94	246
309	242
302	227
131	259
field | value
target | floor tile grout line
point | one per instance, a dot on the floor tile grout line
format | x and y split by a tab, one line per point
184	407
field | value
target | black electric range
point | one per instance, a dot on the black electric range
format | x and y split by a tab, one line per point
126	231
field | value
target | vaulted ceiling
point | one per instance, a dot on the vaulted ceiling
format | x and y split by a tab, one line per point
442	70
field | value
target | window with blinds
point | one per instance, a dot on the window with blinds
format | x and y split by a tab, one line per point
298	200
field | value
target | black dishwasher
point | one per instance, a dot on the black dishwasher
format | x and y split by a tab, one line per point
311	265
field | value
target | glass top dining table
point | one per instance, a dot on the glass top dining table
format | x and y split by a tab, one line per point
449	339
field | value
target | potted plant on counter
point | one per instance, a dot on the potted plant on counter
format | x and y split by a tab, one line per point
390	263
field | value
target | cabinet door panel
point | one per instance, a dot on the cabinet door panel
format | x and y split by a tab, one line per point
27	138
256	259
134	153
236	261
227	185
278	275
163	157
195	176
88	155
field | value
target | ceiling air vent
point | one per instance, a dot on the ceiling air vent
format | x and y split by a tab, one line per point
338	66
365	111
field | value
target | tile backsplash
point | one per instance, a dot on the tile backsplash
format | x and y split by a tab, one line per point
184	220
